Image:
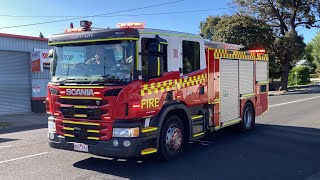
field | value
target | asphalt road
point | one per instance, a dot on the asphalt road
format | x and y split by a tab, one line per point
284	145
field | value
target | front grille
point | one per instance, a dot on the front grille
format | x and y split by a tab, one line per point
89	113
81	134
83	102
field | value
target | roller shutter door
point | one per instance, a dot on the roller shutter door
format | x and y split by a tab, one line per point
246	77
15	90
262	71
229	82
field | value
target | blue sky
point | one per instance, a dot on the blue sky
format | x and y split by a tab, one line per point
188	22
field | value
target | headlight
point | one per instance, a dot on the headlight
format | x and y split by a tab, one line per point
125	132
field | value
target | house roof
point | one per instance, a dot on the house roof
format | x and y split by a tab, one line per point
23	37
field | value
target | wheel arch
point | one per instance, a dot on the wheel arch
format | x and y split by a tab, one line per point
178	109
252	104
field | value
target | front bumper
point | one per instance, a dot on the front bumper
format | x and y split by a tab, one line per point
105	148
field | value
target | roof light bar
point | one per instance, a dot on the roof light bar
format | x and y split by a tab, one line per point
74	30
136	25
258	51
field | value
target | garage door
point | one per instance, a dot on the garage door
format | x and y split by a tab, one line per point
15	91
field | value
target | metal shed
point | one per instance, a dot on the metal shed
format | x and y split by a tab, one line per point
15	72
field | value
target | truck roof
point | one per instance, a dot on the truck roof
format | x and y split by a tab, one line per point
113	33
167	33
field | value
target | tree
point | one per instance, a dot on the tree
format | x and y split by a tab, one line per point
284	16
307	55
315	52
245	30
41	35
207	27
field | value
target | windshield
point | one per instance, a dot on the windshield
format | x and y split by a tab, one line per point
112	62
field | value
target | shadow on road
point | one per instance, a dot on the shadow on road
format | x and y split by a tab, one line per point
2	140
23	128
267	152
312	89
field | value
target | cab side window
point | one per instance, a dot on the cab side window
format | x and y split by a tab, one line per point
191	56
145	44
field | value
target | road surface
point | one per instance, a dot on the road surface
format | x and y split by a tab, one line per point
284	145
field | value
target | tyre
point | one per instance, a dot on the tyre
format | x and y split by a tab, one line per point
172	138
248	118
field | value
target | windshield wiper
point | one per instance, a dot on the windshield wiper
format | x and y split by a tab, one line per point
72	79
105	79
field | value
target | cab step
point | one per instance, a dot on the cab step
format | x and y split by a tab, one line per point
149	151
198	125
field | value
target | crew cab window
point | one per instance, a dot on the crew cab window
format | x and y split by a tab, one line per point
191	56
145	44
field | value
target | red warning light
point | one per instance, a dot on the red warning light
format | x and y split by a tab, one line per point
136	25
257	51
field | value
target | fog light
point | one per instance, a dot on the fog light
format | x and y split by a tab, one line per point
51	135
126	143
115	143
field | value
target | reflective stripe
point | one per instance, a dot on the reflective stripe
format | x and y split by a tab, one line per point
196	117
80	115
80	107
80	97
148	151
148	129
137	56
68	135
93	138
247	95
84	123
93	40
93	131
263	82
69	129
158	66
231	122
199	134
224	53
173	84
91	87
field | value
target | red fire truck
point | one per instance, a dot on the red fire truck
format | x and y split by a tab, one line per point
133	91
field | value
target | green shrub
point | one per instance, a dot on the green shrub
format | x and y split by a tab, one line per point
303	76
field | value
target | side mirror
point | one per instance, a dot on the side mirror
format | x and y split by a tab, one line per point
50	53
155	60
156	48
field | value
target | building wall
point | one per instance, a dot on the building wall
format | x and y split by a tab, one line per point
19	43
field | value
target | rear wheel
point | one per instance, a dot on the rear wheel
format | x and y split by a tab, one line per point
248	118
172	138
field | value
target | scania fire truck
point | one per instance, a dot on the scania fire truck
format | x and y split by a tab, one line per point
133	91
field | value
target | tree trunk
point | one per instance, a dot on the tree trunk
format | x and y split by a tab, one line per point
284	76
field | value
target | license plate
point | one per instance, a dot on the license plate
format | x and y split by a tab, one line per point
80	147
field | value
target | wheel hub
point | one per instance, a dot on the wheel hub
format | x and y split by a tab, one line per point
173	138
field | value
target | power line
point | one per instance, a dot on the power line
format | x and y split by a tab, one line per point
96	15
119	15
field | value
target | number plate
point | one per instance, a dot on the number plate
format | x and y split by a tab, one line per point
80	147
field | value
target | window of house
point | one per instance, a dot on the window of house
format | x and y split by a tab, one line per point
145	44
191	56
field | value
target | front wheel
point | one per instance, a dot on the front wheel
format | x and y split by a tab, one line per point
172	138
248	118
